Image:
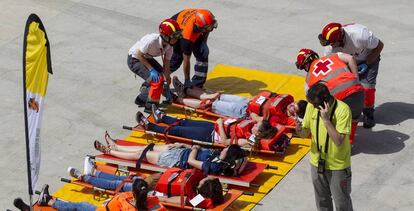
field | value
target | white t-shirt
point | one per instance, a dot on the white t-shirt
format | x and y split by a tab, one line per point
359	42
151	46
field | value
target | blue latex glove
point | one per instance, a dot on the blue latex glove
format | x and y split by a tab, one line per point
187	84
154	75
362	68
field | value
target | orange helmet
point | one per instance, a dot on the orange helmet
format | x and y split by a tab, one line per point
331	33
204	21
169	28
304	57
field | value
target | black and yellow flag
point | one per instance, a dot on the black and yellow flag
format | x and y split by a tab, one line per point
36	69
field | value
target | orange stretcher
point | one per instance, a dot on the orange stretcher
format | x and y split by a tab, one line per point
251	171
229	197
172	138
188	111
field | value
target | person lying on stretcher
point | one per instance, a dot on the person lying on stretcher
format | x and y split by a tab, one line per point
280	108
210	188
138	199
244	132
230	161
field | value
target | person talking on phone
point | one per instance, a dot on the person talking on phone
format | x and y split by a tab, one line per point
328	121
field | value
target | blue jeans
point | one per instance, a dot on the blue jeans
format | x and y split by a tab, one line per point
186	128
230	105
73	206
108	181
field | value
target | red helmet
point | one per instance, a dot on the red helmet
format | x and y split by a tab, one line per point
331	33
304	57
205	21
170	29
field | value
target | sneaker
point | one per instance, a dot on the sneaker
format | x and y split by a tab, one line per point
44	196
157	113
178	87
142	120
88	166
75	173
100	147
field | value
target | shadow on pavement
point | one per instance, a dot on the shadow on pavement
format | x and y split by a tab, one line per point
235	85
378	142
393	113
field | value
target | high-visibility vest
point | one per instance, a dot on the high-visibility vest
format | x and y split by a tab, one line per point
269	104
236	128
186	20
335	74
122	202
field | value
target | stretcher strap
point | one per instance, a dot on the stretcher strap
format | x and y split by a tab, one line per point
150	147
182	192
121	185
171	180
168	128
233	126
264	108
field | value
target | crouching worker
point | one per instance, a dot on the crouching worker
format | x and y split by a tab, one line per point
135	200
166	186
227	131
141	61
278	108
230	161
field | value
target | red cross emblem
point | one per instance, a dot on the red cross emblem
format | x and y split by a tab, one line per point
322	66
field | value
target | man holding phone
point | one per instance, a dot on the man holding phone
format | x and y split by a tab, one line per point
328	120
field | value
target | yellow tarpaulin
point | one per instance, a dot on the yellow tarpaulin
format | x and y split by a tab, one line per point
243	82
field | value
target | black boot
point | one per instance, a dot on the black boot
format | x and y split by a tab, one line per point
369	121
139	102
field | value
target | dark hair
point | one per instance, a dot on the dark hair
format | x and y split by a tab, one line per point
234	152
318	92
266	130
212	189
140	191
302	108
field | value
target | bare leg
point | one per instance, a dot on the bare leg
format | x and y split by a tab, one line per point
135	149
191	102
201	94
151	156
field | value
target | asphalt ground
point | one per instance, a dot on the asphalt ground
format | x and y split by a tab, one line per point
92	89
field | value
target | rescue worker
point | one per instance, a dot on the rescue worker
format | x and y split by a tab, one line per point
196	25
339	73
141	61
365	47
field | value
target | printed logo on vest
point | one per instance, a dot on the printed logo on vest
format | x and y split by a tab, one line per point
322	67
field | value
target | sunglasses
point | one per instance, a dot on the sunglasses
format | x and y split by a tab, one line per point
323	41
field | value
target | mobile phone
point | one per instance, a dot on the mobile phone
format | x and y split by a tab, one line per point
321	166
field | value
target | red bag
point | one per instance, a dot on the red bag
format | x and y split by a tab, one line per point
175	181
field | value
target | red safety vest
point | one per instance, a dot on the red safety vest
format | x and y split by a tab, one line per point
182	182
236	128
336	75
270	104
